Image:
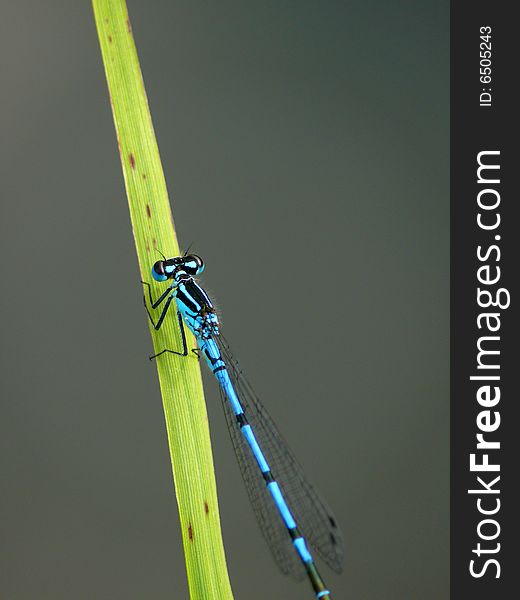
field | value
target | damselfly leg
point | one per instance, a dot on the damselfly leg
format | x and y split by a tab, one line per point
161	297
157	325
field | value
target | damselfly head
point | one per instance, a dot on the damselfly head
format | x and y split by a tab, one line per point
166	269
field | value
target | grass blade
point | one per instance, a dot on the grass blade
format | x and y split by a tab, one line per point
181	385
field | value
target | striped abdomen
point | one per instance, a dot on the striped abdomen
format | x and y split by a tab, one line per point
215	361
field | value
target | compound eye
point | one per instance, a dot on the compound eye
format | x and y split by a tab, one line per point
198	264
158	271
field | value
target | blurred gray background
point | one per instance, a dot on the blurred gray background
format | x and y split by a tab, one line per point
305	146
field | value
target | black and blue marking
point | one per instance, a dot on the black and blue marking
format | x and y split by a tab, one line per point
280	494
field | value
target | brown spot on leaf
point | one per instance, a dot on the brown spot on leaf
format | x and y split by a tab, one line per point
109	39
117	135
132	160
154	243
148	211
128	25
144	175
206	508
190	532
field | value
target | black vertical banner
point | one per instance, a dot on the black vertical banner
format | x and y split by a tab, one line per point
485	259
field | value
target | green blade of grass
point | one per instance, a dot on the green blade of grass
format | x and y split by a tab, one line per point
180	380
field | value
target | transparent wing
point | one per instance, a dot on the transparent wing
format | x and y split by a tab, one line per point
313	517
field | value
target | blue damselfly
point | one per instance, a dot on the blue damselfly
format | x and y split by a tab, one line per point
291	514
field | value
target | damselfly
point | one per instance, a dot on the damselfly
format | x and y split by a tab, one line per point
291	514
